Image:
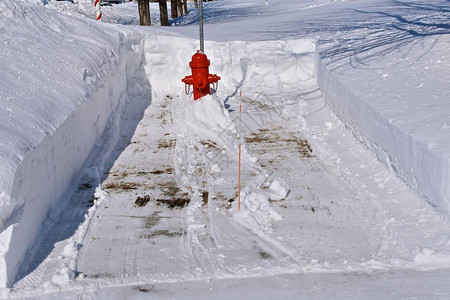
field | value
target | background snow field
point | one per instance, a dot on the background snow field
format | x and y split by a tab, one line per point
113	182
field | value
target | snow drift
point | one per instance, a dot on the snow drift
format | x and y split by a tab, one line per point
59	87
399	115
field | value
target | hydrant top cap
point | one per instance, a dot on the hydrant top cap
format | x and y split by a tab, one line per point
199	60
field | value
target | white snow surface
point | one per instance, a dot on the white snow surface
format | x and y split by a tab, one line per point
69	84
53	112
366	50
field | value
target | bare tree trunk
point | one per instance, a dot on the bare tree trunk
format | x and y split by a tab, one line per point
185	6
180	7
163	13
174	8
196	3
144	12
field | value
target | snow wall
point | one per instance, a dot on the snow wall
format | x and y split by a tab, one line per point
424	169
62	79
256	68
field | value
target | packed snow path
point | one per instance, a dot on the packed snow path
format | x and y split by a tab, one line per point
167	210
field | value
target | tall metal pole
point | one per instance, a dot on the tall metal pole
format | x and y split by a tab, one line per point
200	22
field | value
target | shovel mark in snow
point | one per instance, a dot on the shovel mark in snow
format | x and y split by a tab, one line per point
165	115
163	170
168	170
117	186
211	144
146	289
164	233
142	201
172	195
259	102
275	140
303	147
225	202
175	202
205	196
169	188
101	275
166	143
153	220
264	254
230	203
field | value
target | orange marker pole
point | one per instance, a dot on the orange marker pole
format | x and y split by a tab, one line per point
239	180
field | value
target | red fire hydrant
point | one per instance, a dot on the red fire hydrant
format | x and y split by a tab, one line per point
200	78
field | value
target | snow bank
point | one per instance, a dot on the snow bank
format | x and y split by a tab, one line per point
59	87
207	119
253	67
399	112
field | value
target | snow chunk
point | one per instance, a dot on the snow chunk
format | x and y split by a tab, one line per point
278	190
256	200
100	195
61	277
215	168
256	210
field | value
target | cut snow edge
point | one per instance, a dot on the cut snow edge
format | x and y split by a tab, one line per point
422	169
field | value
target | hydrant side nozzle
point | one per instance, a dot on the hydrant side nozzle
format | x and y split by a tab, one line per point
187	79
213	78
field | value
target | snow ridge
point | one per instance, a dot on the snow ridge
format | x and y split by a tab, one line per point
44	152
420	165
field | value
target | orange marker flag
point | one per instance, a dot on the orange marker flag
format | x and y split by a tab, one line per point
239	178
